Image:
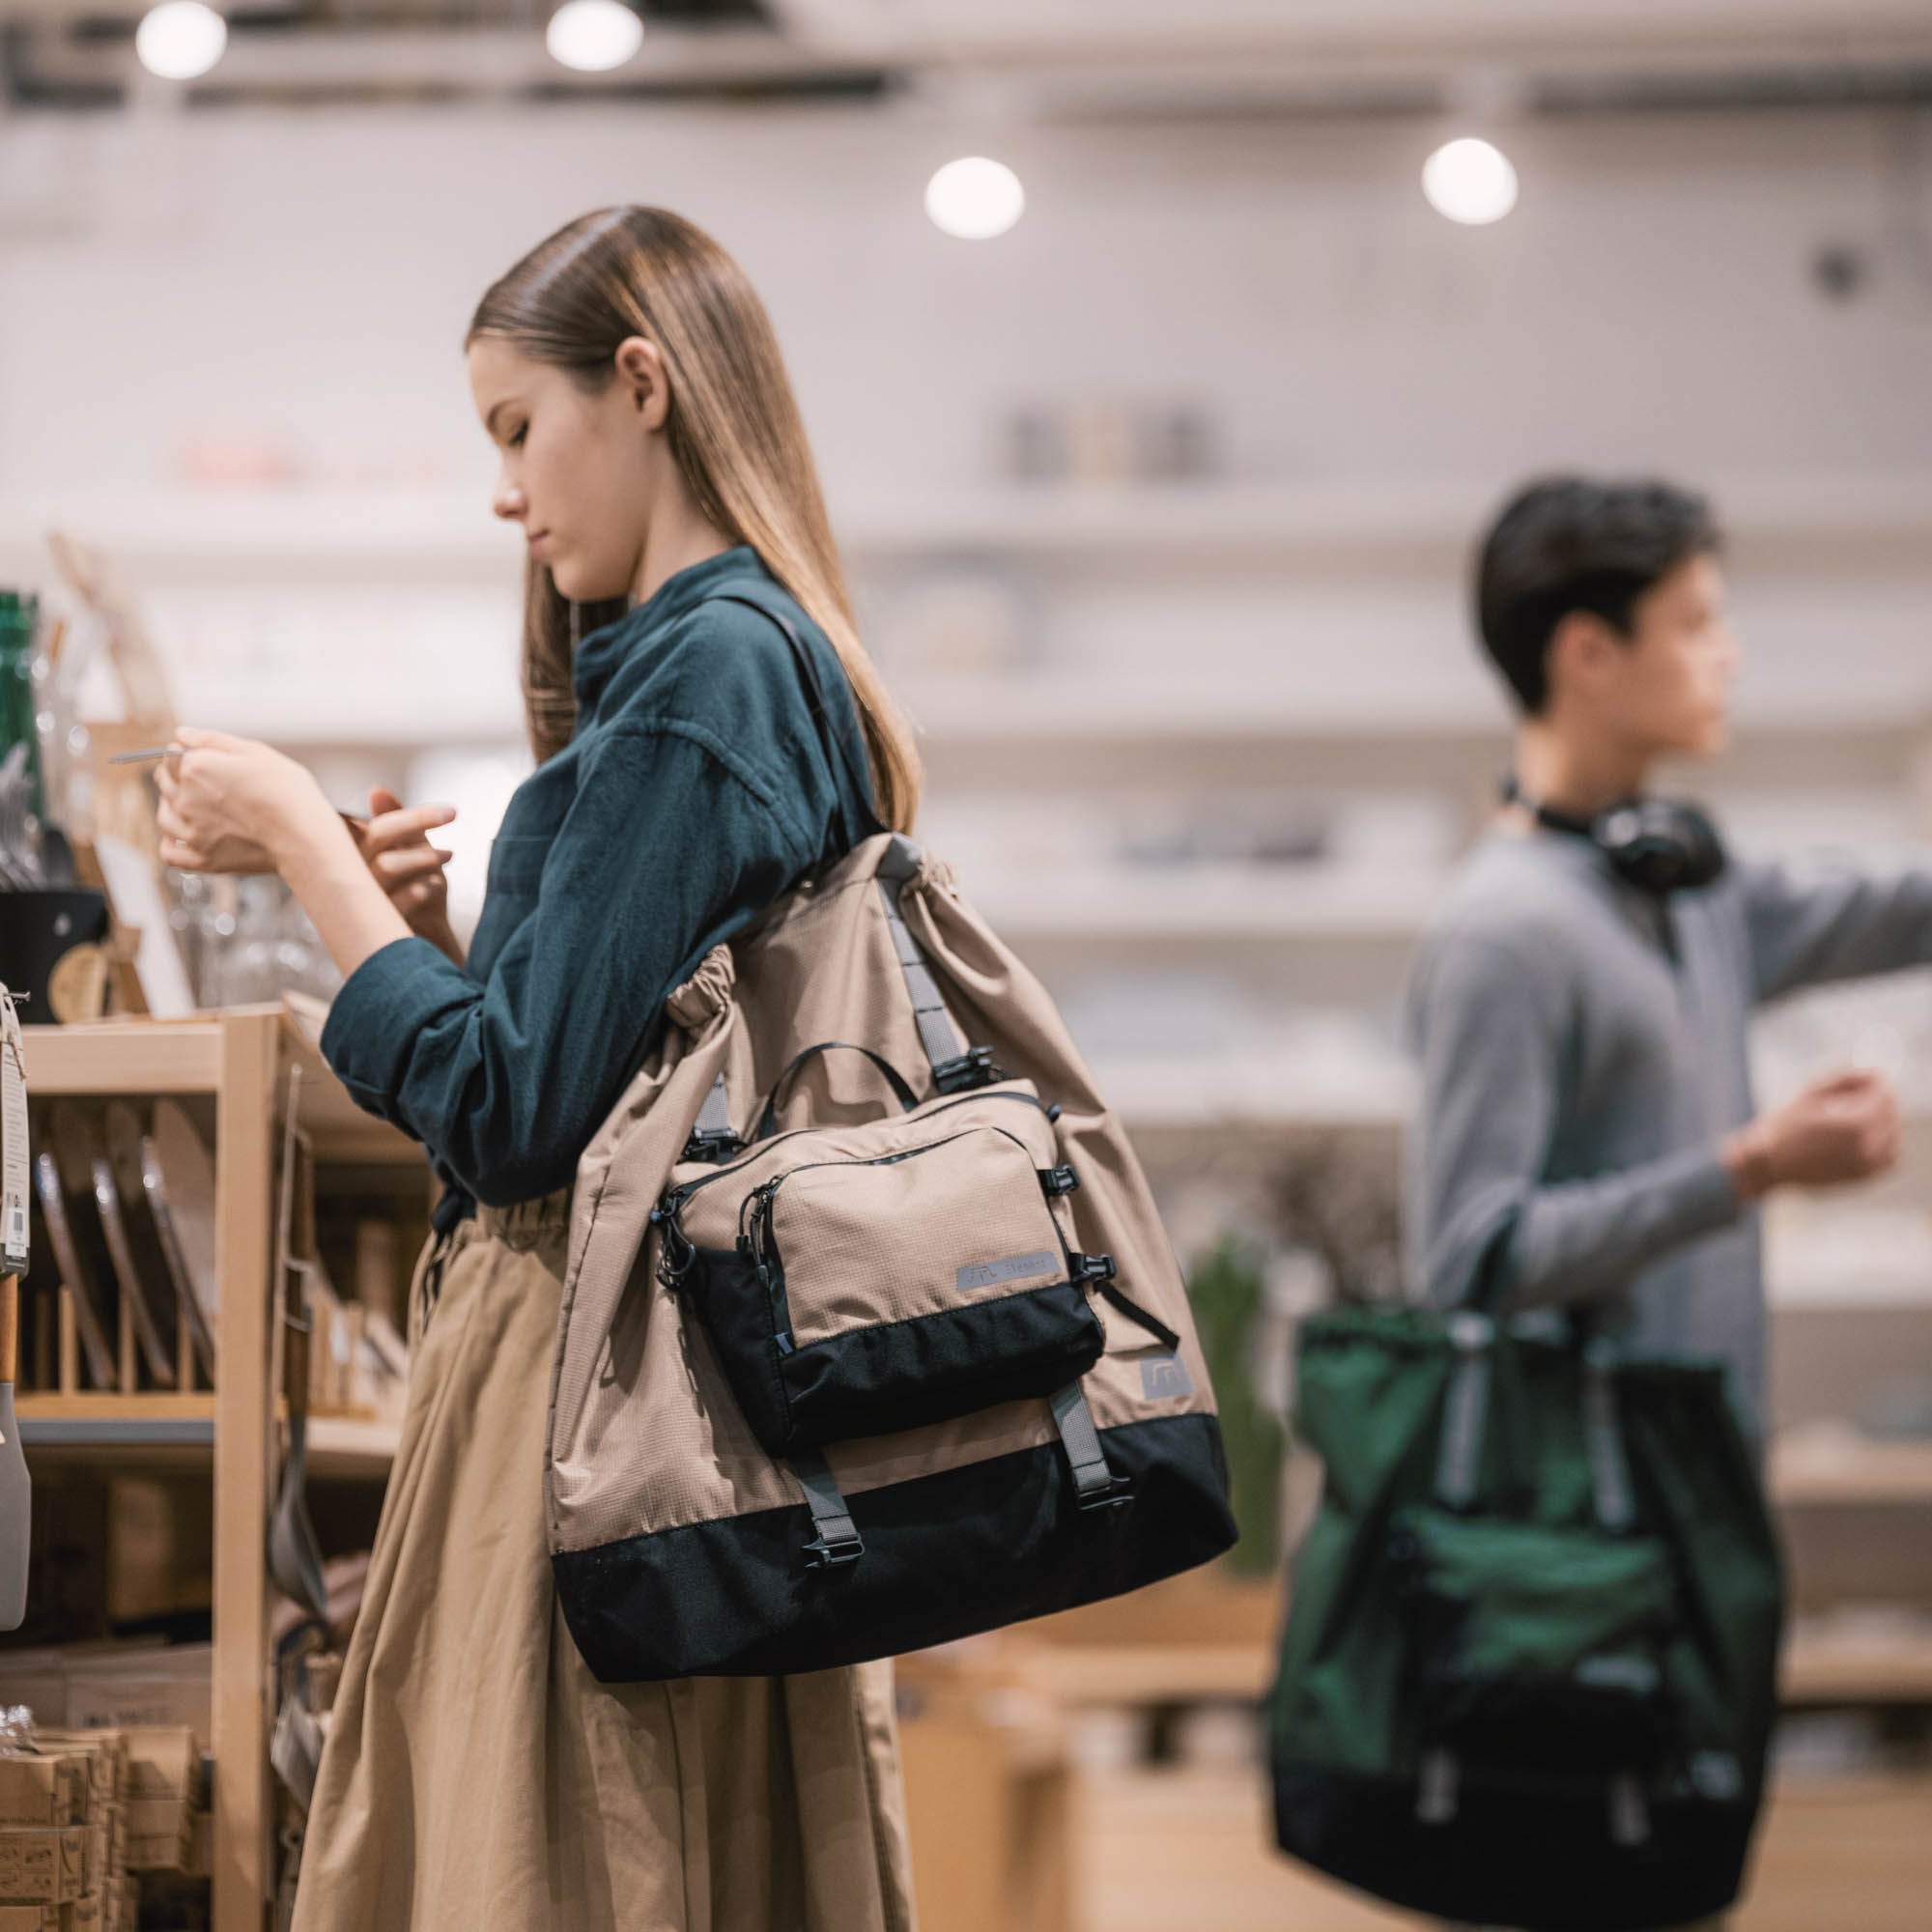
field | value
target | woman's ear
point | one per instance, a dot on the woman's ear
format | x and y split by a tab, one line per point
640	369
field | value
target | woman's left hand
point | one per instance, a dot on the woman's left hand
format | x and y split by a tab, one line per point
233	805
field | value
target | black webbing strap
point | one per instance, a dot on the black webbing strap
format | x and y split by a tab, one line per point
1094	1484
837	1539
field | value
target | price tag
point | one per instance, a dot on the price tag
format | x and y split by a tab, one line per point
12	1141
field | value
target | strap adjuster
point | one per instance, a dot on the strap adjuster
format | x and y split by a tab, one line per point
1084	1269
966	1071
1054	1181
712	1144
1115	1494
834	1552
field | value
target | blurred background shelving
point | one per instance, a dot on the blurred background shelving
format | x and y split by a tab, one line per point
1204	735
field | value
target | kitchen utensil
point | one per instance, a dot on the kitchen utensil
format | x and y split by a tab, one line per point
84	1287
16	1487
53	951
178	1178
168	1291
17	1490
295	1559
77	1138
19	848
150	1233
72	1147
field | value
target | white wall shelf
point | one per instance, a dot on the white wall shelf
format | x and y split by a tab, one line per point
1209	905
443	526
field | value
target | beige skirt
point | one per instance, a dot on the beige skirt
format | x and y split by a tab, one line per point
478	1775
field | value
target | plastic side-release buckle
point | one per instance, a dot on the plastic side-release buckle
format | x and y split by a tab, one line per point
966	1071
1084	1269
1054	1181
712	1144
832	1553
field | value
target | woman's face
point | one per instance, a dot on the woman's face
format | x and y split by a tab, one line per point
580	468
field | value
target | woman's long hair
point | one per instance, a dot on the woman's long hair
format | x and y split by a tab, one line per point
735	434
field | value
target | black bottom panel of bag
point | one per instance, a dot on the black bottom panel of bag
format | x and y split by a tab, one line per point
946	1556
889	1375
1538	1862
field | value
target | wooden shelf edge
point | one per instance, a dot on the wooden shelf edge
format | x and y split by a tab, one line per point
1851	1474
127	1056
1816	1670
100	1406
1840	1670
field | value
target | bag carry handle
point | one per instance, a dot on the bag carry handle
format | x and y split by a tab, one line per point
768	1121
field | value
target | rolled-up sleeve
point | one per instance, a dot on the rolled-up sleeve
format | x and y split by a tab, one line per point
671	843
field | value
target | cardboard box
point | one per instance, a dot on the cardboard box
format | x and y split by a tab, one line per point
162	1761
48	1790
42	1868
143	1685
157	1834
107	1753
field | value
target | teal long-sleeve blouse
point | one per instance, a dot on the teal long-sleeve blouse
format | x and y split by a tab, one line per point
695	792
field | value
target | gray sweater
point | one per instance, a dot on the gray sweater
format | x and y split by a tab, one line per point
1583	1052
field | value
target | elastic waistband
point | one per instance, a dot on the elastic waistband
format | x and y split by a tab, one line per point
530	1223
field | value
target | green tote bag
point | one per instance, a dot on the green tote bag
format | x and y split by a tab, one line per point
1529	1671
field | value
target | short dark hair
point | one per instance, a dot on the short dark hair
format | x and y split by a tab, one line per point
1567	543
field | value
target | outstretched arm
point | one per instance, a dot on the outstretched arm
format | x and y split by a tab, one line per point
1810	923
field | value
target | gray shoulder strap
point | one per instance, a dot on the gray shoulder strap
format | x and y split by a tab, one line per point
936	1032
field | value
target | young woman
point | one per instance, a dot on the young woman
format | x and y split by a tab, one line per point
476	1774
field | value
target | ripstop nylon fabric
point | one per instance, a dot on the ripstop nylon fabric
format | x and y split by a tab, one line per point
644	1436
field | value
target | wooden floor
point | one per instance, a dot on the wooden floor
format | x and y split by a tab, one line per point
1187	1851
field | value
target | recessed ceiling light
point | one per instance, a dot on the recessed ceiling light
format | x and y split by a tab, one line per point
1469	181
593	36
974	198
180	40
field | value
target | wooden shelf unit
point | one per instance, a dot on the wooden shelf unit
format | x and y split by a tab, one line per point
241	1060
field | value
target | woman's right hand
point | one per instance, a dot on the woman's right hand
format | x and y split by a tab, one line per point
395	846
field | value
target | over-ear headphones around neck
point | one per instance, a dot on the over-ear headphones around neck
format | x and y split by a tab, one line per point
1658	845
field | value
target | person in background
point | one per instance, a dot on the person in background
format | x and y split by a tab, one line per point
1580	1000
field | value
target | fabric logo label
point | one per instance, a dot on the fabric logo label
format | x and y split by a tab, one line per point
1164	1376
985	1274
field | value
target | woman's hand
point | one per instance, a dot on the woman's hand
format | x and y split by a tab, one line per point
234	804
395	846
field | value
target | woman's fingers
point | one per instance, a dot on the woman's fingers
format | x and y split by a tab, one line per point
185	856
415	862
404	826
192	738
